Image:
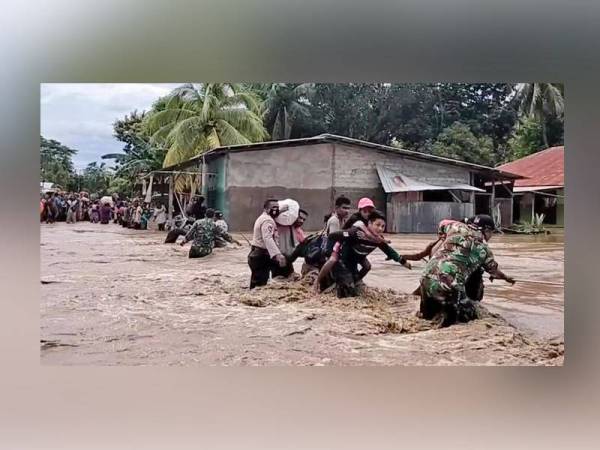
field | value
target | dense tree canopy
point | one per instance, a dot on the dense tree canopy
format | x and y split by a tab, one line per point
543	102
486	123
56	164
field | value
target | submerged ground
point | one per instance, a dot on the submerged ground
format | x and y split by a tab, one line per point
115	296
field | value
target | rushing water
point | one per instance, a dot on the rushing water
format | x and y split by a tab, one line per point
117	296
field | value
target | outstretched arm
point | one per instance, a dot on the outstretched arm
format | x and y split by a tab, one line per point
426	252
491	266
497	273
393	254
189	235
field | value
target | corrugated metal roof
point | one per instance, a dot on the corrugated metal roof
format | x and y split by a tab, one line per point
394	181
327	138
535	188
545	168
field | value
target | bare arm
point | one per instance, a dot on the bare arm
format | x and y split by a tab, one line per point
491	266
497	273
326	270
422	254
190	234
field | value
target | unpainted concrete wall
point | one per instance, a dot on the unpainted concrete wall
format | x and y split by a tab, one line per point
315	175
357	167
355	176
301	172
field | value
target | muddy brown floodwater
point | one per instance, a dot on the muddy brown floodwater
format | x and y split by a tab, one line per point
112	296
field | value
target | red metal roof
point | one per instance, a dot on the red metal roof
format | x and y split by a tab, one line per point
545	168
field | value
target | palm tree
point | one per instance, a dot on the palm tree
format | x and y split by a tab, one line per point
540	101
194	119
285	106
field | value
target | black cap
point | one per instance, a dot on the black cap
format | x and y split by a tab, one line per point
483	221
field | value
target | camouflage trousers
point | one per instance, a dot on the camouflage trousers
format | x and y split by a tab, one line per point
199	252
446	306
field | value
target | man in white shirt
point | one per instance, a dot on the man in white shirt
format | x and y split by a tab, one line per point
265	253
340	213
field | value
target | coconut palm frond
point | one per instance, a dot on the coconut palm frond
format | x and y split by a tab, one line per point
298	110
176	154
229	135
305	90
277	133
556	100
156	121
287	126
246	122
160	136
187	133
118	157
536	100
244	99
212	139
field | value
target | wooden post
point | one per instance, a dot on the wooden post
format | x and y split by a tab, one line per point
333	193
472	200
204	181
532	207
493	197
171	189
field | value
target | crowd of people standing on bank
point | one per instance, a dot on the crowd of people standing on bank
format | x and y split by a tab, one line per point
72	207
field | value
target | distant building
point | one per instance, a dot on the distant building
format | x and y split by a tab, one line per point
542	188
414	190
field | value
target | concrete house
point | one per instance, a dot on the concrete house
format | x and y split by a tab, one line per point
415	190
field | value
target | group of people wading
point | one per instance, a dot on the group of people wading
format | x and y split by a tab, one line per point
451	283
337	256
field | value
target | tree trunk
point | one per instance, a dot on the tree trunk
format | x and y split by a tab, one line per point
544	133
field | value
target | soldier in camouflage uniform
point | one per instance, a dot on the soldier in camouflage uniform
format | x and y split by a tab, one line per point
463	252
203	233
222	225
474	286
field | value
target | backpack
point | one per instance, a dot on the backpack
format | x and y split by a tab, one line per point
316	249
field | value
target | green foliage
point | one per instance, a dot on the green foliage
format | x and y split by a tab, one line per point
458	142
121	185
532	227
287	109
414	114
194	119
96	179
527	138
481	122
543	102
138	155
56	165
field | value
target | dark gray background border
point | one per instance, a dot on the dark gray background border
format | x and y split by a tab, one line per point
151	407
